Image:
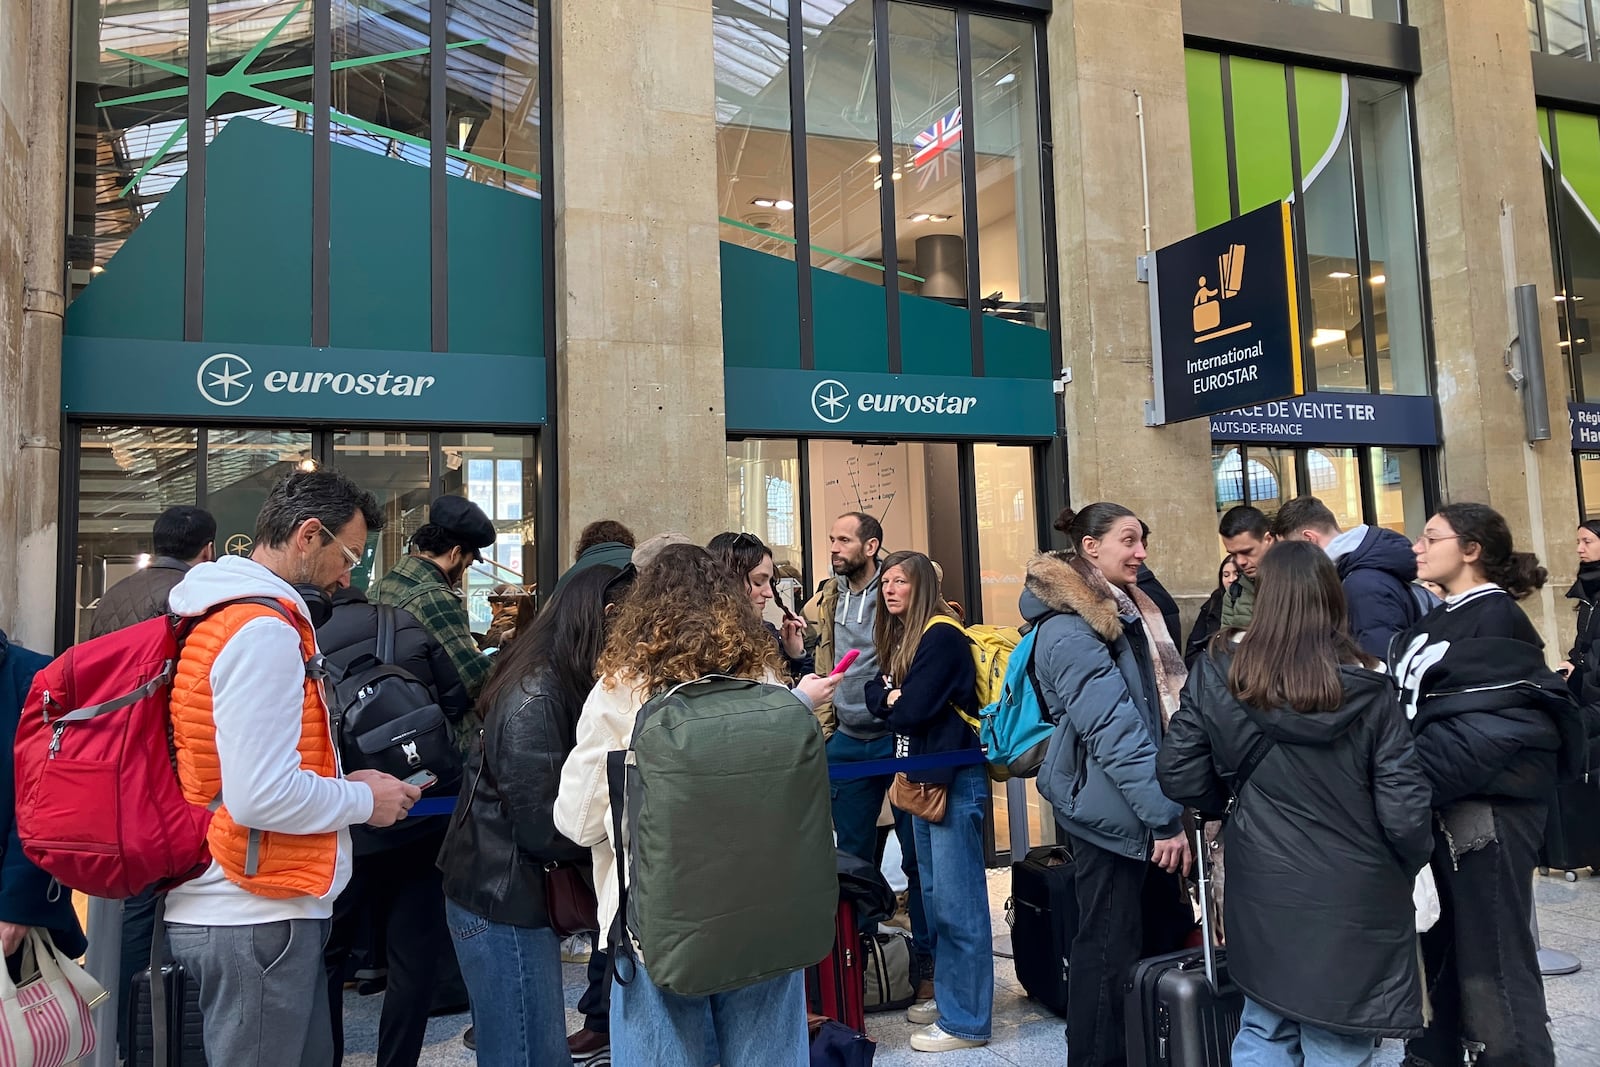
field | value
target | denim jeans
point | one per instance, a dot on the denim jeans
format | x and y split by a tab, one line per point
263	993
1125	912
1481	959
763	1025
955	893
857	803
1267	1039
513	975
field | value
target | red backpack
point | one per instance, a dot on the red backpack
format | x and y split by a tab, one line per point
99	805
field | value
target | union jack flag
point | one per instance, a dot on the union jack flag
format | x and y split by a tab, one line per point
938	170
943	134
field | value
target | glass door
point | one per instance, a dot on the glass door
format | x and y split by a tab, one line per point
240	467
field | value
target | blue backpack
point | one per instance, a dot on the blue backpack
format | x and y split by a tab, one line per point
1015	729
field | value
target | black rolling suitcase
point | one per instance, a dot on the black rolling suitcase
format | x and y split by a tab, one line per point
1045	920
1181	1009
186	1046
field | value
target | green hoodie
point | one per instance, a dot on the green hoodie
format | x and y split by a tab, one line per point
1239	605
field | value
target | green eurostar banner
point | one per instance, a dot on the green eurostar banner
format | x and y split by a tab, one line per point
208	380
848	404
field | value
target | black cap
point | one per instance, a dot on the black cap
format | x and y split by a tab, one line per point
464	521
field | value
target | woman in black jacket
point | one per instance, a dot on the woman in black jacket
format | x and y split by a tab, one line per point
1582	666
503	833
1209	621
1329	831
929	682
1495	731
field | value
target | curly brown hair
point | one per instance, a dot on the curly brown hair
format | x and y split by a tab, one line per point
684	620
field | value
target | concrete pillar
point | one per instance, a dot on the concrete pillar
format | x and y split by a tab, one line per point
1163	474
639	389
34	37
1484	208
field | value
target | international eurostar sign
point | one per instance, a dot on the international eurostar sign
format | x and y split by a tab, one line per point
856	404
1224	318
185	379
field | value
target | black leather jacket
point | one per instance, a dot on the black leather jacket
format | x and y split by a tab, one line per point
503	831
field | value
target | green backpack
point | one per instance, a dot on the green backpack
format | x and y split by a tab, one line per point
729	876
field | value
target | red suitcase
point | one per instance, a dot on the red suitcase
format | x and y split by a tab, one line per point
836	987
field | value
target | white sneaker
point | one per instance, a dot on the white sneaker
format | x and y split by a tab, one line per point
576	949
923	1013
933	1039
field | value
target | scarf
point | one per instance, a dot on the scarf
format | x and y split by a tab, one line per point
1170	672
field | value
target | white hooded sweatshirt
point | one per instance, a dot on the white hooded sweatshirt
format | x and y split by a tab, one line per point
258	692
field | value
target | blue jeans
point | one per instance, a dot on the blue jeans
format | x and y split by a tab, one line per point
857	803
955	893
513	976
763	1025
1267	1039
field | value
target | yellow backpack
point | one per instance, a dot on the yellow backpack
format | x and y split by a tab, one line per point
991	651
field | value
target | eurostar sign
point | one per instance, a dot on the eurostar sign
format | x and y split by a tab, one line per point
883	405
155	379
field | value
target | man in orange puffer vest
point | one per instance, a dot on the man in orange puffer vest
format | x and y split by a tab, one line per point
251	727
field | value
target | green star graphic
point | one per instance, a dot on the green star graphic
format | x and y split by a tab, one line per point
238	79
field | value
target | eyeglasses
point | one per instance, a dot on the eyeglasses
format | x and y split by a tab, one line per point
352	559
1430	539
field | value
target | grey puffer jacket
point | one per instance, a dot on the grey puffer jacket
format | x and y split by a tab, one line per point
1097	681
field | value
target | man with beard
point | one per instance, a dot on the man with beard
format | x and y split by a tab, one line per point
845	610
427	581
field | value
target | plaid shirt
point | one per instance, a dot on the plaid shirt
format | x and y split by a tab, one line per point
418	586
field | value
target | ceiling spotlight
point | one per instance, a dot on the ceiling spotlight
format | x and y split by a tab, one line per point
784	205
764	201
1379	279
921	216
97	269
938	218
875	158
308	465
1007	80
897	175
1341	275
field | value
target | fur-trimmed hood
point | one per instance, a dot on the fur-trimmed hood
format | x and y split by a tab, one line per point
1056	584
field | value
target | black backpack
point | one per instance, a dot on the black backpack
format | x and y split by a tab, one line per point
387	720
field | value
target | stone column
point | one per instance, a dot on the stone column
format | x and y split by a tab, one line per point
34	36
1484	208
639	394
1163	474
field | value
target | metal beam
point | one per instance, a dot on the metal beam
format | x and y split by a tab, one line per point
1285	33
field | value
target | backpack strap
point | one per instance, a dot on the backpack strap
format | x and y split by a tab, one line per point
386	630
621	946
1241	777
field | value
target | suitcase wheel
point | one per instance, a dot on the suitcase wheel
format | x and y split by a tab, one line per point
1545	871
1572	876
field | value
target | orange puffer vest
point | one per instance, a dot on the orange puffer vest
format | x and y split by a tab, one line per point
264	863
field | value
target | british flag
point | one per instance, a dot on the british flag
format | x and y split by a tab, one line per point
931	142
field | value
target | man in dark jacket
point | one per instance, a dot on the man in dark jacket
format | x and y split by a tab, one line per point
182	537
1375	565
395	893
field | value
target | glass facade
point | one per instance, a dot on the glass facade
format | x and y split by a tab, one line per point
903	152
1568	28
1340	147
1378	486
1383	10
1571	154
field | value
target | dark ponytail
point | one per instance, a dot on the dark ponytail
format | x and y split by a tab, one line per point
1518	573
1093	521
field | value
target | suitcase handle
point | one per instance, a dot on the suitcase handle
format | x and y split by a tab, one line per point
1200	858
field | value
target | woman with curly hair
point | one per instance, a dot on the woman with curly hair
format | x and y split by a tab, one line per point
683	620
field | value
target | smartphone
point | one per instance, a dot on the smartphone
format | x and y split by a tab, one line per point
844	663
423	779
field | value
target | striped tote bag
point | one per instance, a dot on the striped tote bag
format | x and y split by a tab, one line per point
45	1021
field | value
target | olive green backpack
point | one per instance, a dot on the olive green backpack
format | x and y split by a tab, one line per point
729	874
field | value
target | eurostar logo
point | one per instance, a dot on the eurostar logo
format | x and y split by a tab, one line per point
220	375
830	400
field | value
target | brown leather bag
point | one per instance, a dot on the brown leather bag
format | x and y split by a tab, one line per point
569	900
925	800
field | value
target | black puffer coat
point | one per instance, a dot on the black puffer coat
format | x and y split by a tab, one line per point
1584	681
503	830
1322	848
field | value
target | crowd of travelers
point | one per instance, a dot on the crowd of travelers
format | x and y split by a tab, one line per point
1361	742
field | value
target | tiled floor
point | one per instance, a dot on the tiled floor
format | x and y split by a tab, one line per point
1025	1034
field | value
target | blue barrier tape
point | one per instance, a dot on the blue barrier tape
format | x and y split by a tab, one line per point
840	772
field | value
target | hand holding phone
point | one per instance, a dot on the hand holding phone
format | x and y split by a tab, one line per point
844	662
423	779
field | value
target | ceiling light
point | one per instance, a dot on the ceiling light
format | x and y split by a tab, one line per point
143	560
97	269
764	201
784	205
1007	80
897	175
1327	337
1341	275
875	158
921	216
308	465
1379	279
939	218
